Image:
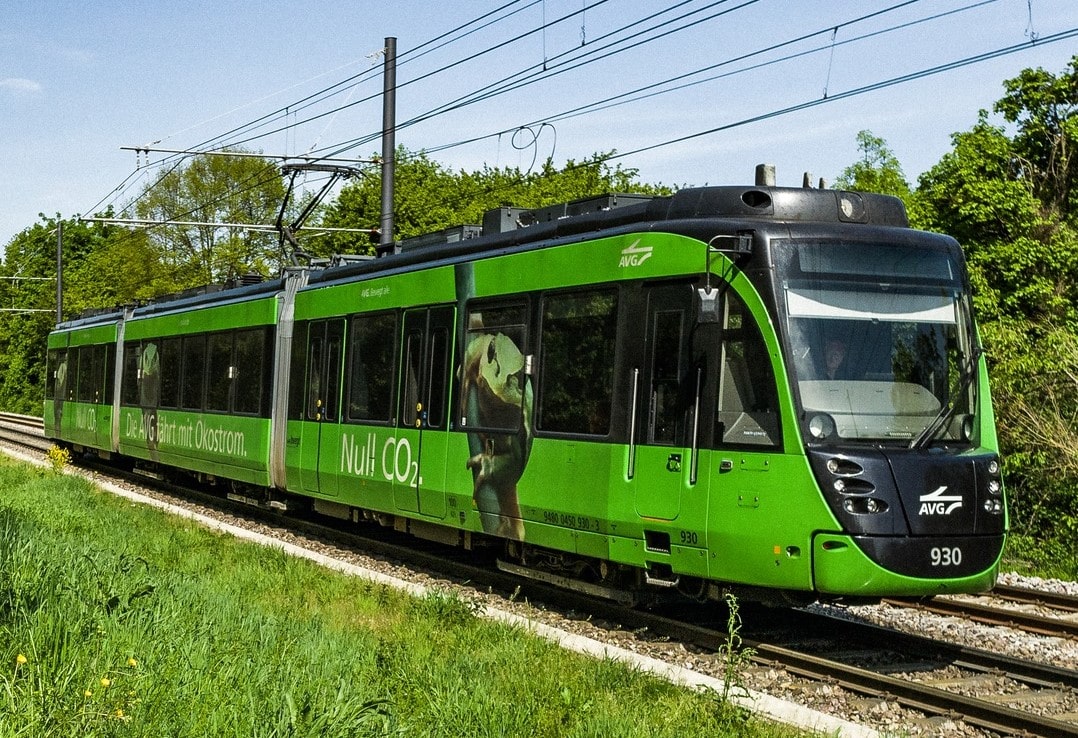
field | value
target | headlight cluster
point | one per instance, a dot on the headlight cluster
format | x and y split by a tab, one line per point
856	491
993	502
821	426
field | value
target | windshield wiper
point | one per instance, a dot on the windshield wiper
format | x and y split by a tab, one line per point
946	413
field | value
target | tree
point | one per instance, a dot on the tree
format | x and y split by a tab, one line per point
1008	200
215	188
878	170
1043	106
431	197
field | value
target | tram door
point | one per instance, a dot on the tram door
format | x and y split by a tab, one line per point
666	388
321	434
419	454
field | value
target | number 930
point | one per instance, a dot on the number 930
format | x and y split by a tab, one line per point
942	556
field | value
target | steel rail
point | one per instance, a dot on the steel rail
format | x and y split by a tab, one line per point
990	615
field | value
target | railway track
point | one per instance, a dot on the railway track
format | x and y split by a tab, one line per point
940	681
1056	615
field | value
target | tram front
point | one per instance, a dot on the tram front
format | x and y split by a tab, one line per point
894	410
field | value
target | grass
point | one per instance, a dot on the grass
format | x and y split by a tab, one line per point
116	620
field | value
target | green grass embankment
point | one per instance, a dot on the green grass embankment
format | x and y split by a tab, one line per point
117	620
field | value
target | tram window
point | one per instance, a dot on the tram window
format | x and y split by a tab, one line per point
747	400
110	373
297	372
97	373
668	402
170	372
315	358
129	383
149	373
370	376
439	364
219	372
494	387
55	387
577	345
247	371
84	391
91	382
413	368
194	372
334	337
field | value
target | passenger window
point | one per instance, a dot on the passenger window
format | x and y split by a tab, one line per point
248	370
88	373
577	347
494	387
194	372
170	372
315	360
747	412
298	367
56	386
370	389
439	362
219	375
110	373
130	383
667	365
149	373
413	371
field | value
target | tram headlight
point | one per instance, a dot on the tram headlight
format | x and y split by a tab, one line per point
993	467
864	505
821	426
994	487
967	428
993	506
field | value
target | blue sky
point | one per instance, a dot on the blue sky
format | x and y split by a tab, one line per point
80	80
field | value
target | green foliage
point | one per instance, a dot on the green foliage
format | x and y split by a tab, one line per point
430	197
215	188
1008	200
1043	106
878	170
733	655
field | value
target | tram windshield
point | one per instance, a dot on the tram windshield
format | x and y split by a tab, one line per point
881	342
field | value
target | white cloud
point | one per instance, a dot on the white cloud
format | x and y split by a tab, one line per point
20	85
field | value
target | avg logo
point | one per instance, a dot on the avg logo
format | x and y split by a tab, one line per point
634	255
936	503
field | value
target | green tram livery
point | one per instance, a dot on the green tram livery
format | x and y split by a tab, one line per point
775	391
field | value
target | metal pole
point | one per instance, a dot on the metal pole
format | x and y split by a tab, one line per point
59	271
389	144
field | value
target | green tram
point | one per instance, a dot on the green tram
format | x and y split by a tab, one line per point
775	391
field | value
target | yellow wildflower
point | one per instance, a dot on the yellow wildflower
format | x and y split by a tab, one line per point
88	693
119	713
132	662
105	681
20	659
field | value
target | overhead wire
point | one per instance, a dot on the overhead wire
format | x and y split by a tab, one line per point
662	88
222	140
415	80
544	71
901	79
478	96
